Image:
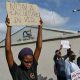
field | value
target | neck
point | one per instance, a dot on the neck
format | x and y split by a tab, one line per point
23	67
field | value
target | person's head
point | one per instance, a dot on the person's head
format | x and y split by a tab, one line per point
58	53
69	52
26	57
78	61
72	56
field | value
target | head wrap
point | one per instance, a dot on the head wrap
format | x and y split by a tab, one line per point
24	52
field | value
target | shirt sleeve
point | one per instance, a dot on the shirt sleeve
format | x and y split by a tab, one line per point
14	69
14	66
35	63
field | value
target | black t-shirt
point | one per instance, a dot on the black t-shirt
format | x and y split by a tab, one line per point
19	73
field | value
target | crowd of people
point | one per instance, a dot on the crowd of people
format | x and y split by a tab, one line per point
63	67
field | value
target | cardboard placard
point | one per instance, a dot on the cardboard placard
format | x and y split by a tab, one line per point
23	14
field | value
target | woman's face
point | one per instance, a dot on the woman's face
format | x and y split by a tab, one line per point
27	61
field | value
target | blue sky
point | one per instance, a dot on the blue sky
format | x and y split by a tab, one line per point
55	13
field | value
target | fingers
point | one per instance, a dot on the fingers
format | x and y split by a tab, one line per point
41	22
7	21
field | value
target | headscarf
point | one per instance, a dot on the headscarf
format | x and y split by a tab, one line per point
24	52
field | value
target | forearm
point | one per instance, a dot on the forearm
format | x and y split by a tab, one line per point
60	48
8	53
8	39
65	57
39	37
38	43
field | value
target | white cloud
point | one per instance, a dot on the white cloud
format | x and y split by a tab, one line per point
57	2
52	19
3	30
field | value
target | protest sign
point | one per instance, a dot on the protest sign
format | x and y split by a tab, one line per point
23	14
75	75
65	43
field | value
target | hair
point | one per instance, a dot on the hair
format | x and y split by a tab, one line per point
78	60
56	51
68	50
55	56
70	53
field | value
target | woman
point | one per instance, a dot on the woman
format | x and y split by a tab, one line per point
27	70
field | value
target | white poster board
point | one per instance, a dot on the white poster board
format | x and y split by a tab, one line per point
75	75
23	14
65	44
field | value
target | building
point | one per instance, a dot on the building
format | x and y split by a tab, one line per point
26	37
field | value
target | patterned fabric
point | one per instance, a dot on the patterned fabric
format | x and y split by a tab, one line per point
25	51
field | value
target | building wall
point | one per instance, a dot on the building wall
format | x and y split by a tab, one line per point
45	63
47	34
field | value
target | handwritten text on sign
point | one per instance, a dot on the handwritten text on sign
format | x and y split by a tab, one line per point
23	14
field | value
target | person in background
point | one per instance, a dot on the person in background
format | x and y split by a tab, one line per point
70	66
27	70
78	61
59	66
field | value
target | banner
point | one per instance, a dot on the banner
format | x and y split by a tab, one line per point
23	14
75	75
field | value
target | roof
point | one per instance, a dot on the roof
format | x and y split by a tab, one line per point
60	30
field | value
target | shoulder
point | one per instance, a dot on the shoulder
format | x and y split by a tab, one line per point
35	62
75	67
14	67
